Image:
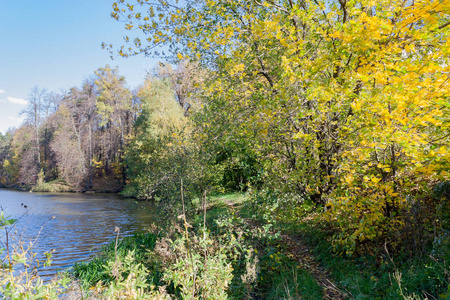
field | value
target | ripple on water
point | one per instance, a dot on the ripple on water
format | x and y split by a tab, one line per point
74	226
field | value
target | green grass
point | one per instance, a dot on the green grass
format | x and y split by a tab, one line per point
384	276
218	206
279	276
95	270
294	284
377	277
223	200
231	198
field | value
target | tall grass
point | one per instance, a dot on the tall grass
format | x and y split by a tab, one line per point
99	269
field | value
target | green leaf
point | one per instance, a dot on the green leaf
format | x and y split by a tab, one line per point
9	222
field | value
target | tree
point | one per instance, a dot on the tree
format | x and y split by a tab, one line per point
67	146
34	117
345	102
76	123
24	155
114	107
7	169
186	78
398	135
90	116
49	108
156	155
41	105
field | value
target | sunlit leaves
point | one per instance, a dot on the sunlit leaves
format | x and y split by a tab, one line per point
344	102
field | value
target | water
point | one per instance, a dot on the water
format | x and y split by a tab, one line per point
74	226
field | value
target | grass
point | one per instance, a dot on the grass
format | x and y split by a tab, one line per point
381	277
55	186
223	200
98	269
294	284
255	246
233	199
277	276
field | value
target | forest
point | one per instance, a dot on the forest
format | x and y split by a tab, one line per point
330	119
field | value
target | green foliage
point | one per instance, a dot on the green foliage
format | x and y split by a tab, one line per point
158	153
441	193
129	279
261	268
124	269
5	221
201	269
135	248
134	267
114	98
341	102
240	169
376	276
41	177
7	168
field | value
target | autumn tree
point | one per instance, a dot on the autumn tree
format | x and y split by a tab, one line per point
49	107
345	102
185	79
67	145
89	110
156	155
397	147
7	170
114	108
41	105
244	45
77	131
24	155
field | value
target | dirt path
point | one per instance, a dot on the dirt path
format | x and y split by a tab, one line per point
296	247
301	253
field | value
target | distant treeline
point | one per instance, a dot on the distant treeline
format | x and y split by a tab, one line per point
85	133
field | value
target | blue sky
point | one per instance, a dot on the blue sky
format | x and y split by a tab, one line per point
56	44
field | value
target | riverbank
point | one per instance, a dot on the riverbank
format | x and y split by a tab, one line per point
236	248
64	227
55	186
100	185
256	258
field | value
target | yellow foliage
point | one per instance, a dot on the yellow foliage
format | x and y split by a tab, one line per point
345	101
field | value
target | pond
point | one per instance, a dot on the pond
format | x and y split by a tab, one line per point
73	226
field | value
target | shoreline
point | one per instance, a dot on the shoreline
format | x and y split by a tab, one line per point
57	186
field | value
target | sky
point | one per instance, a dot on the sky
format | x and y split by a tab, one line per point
55	45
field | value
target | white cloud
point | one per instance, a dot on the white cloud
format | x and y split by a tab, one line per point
2	91
17	120
17	101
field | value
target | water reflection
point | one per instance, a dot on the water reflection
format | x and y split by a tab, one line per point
75	226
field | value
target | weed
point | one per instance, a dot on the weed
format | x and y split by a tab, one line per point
19	269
